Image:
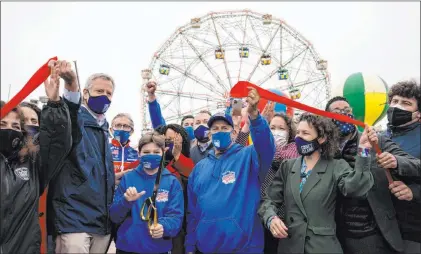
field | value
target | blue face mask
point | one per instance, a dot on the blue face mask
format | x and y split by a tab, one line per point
99	104
150	161
190	132
201	133
221	140
306	148
345	128
121	136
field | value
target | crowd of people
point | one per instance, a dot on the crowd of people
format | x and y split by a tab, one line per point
305	185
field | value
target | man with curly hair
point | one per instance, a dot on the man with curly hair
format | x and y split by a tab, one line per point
369	223
404	129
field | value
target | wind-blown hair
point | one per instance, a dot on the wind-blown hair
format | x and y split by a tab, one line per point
325	129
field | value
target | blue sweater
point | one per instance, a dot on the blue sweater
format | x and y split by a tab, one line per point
224	195
155	113
133	234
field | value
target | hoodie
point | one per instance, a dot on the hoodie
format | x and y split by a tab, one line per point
224	195
133	234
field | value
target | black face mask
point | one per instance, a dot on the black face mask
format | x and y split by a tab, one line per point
11	141
168	154
397	116
306	148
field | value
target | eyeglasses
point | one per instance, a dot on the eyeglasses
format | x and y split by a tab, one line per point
123	127
342	111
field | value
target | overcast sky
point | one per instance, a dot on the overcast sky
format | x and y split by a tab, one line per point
120	38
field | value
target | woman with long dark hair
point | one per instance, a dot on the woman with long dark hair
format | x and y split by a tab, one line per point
26	168
309	185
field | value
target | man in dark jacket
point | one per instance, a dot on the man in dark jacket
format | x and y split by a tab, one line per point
369	224
404	128
80	197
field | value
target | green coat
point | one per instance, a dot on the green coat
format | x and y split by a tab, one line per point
310	215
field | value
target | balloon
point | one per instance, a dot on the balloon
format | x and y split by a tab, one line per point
367	95
278	107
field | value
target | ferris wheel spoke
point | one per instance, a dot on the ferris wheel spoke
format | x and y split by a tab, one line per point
220	46
257	36
200	81
267	47
293	58
202	40
195	96
299	67
203	60
242	46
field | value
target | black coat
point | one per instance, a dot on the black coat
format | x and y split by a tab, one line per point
23	181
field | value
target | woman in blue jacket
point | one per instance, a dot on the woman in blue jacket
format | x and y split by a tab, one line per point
133	235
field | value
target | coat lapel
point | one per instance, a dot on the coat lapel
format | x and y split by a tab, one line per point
295	183
314	178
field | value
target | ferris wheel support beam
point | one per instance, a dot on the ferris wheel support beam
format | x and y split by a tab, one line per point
203	83
257	36
299	67
191	112
217	78
220	46
244	38
267	47
282	66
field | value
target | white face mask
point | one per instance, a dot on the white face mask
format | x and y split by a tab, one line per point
281	137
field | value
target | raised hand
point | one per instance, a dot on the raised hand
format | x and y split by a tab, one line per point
252	100
150	88
368	137
132	194
178	146
269	111
68	75
52	84
156	231
278	228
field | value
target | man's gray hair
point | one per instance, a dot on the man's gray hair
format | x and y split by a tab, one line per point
95	76
123	115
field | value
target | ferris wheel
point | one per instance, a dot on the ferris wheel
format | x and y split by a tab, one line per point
197	66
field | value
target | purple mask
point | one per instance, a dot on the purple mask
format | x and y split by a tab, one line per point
99	104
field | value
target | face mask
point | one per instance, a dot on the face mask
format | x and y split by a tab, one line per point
121	136
168	154
280	137
190	132
398	116
150	161
11	141
305	147
345	128
99	104
32	130
221	140
201	133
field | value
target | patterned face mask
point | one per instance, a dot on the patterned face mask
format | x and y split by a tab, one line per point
345	128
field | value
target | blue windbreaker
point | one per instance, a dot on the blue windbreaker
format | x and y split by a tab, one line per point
133	234
155	113
224	195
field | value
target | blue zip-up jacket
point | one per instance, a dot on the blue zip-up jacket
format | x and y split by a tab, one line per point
79	197
224	195
133	234
155	113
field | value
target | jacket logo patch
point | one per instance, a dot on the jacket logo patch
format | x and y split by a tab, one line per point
228	177
162	196
22	173
115	152
217	143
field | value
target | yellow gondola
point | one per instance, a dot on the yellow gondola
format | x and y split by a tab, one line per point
164	69
219	54
294	93
266	60
244	52
283	74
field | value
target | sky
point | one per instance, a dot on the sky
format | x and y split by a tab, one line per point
120	39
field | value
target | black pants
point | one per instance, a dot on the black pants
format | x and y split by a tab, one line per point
373	244
271	243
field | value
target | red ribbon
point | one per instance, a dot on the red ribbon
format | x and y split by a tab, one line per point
240	91
33	83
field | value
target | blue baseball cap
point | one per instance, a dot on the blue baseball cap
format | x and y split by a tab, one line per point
221	116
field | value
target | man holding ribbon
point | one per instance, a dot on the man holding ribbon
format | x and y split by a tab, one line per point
369	223
81	195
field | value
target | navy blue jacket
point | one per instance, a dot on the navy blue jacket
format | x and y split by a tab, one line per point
79	198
